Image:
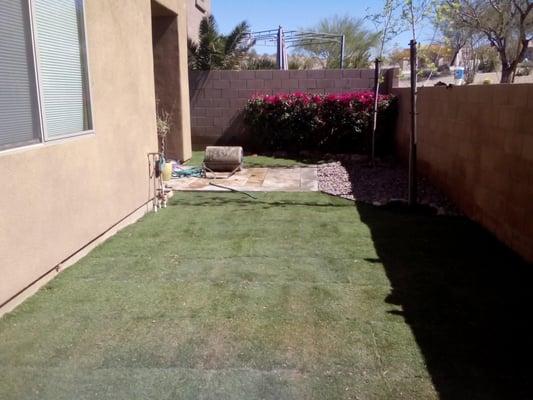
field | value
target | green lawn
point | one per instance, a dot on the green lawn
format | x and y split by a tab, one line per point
291	296
258	161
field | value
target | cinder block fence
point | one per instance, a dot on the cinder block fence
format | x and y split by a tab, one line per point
218	97
476	144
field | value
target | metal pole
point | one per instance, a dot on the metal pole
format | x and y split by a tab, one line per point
412	198
377	75
343	49
278	56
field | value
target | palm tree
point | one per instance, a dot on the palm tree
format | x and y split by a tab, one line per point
216	51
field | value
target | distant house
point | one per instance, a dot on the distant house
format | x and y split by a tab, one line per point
78	86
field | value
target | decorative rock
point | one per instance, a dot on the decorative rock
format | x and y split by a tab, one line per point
352	178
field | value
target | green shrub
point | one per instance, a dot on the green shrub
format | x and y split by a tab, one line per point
338	123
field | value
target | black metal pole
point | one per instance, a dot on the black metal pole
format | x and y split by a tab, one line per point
377	75
412	197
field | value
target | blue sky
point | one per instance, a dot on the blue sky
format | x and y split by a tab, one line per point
295	14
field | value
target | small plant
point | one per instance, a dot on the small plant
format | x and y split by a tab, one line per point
164	125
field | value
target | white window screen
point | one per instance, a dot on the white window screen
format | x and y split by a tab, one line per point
62	64
19	117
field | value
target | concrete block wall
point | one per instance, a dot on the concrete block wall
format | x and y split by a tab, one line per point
218	97
476	144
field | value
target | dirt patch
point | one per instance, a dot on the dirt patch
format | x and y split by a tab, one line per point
217	347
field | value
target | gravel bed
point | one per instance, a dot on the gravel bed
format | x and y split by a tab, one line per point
378	185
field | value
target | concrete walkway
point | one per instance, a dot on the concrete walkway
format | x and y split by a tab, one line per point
298	179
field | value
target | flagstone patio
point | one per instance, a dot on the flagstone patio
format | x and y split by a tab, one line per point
297	179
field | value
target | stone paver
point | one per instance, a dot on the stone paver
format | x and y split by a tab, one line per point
298	179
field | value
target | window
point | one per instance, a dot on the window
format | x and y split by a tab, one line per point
44	86
19	116
62	66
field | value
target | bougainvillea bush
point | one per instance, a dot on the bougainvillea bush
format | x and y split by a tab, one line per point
337	123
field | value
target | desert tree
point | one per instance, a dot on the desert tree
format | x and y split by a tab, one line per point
388	26
506	24
414	12
453	36
359	42
410	16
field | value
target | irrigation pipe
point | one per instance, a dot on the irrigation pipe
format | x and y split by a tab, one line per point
233	190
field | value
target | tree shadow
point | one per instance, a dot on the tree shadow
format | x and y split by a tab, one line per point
466	298
240	200
236	133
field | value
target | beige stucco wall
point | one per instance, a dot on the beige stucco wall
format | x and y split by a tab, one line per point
58	196
181	146
171	74
195	15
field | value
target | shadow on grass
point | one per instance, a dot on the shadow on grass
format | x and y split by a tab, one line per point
241	201
466	298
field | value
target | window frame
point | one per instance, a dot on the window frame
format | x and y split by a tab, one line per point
35	100
84	51
42	134
202	5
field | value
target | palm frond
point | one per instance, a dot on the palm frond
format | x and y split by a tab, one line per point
216	51
236	45
208	55
192	53
208	25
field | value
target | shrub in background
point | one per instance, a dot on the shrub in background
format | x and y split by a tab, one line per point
338	123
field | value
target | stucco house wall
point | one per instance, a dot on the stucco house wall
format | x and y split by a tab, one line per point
196	10
59	196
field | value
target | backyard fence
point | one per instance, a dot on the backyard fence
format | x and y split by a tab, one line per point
218	97
476	144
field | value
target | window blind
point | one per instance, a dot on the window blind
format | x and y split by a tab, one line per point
19	117
61	56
